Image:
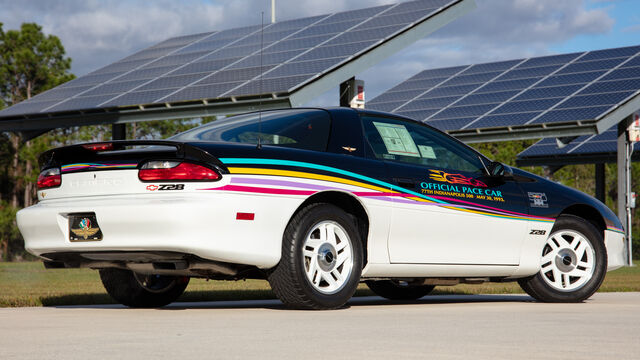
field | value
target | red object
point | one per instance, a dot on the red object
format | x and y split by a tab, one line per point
184	171
152	187
49	178
99	147
439	175
360	92
245	216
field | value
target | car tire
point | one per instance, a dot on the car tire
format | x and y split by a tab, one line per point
573	263
398	290
321	259
142	291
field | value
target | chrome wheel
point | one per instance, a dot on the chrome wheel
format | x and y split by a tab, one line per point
327	257
568	260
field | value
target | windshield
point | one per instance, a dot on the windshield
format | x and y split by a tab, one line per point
299	128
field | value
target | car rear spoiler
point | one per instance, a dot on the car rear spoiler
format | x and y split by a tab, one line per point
119	150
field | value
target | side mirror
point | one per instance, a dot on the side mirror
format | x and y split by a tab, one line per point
496	169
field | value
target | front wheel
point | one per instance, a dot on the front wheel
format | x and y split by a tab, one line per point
142	291
573	263
321	259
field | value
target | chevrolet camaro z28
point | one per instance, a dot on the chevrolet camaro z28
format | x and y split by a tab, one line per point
315	201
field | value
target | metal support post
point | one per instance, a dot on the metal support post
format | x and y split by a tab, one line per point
273	11
344	92
624	184
600	182
119	132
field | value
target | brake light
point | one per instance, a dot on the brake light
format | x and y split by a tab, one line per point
173	170
99	147
49	178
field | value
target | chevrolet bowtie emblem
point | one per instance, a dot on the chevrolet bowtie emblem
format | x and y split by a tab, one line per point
349	149
85	229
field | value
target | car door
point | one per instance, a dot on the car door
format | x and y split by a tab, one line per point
447	210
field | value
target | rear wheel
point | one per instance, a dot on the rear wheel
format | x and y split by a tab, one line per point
321	259
142	291
573	263
398	290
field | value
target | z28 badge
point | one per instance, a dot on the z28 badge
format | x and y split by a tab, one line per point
163	187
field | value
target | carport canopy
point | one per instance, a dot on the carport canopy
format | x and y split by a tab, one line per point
585	149
237	70
562	95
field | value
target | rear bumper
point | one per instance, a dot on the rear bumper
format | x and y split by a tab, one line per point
204	225
614	241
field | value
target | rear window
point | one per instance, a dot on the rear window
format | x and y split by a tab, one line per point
302	129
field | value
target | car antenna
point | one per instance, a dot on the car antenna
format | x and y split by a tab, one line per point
260	81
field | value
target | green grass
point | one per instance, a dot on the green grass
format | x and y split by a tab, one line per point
29	284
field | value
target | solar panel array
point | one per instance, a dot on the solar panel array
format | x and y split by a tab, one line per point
227	63
605	143
548	89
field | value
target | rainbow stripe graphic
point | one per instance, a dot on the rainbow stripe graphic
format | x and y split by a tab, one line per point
97	166
615	229
376	189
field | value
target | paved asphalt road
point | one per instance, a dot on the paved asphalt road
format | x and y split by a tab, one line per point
439	327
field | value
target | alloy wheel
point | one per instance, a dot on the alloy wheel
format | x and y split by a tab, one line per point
568	260
328	257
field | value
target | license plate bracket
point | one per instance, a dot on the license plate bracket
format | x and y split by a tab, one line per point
84	227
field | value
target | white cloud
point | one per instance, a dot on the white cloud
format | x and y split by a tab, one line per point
98	32
632	29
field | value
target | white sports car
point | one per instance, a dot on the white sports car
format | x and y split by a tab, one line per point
315	201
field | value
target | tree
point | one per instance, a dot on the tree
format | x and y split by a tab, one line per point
30	62
8	231
162	129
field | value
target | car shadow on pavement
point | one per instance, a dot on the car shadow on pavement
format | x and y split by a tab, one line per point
353	303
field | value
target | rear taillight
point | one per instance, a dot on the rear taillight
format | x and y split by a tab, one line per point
173	170
49	178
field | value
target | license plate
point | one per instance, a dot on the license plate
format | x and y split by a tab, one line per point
84	227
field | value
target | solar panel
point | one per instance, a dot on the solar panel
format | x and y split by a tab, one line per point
226	64
583	149
524	92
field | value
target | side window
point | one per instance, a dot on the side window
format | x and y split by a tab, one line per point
403	141
305	130
302	129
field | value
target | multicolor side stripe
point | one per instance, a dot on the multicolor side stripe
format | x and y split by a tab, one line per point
379	190
615	229
90	166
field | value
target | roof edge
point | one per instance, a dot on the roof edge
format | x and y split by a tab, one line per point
140	113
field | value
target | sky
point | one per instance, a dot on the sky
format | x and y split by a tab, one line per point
96	33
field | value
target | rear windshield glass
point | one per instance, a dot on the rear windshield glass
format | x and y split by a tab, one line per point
303	129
